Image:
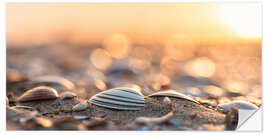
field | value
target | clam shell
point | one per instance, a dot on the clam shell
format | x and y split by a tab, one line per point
68	95
38	93
172	93
239	104
119	98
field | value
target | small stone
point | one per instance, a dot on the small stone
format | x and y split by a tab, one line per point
144	128
175	122
80	107
80	117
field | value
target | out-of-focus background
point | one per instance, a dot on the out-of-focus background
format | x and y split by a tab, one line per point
204	49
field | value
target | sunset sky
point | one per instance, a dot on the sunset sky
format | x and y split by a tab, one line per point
212	24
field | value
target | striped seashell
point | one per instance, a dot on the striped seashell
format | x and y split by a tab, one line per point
172	93
55	79
119	98
38	93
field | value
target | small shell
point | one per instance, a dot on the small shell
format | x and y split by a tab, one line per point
167	101
149	120
239	104
119	98
172	93
80	107
55	79
68	95
38	93
22	108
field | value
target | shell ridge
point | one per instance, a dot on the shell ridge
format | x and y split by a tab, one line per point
123	96
117	102
116	107
119	99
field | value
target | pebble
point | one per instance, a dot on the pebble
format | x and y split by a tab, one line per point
80	107
175	122
144	128
80	117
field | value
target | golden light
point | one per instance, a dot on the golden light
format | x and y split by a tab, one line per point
138	65
244	19
118	45
179	47
236	86
201	67
100	85
101	59
214	90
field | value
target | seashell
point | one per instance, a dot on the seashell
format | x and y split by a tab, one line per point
22	108
119	98
167	101
172	93
38	93
55	79
239	104
80	107
149	120
67	95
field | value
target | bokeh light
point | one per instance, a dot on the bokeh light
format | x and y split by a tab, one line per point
179	47
244	19
118	45
138	65
214	91
201	67
101	59
236	86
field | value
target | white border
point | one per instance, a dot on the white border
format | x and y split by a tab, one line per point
266	70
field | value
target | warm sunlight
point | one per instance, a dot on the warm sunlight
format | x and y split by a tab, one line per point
244	19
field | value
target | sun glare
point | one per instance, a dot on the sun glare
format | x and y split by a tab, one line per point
244	19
